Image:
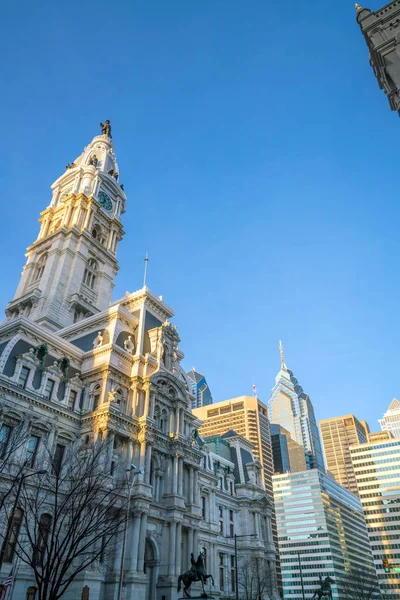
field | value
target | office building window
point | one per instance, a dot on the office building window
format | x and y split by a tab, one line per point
48	390
16	523
203	507
231	524
58	458
5	433
221	572
233	578
71	399
31	451
23	376
221	519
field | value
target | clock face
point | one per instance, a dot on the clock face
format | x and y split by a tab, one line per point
105	201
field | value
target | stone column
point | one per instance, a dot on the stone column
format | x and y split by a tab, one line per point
182	422
174	475
172	548
191	485
190	541
178	549
180	476
195	542
142	462
152	405
128	460
134	533
146	401
147	466
142	543
172	422
195	487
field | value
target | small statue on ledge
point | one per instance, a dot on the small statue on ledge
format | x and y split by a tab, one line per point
70	166
106	129
129	345
196	573
98	341
93	160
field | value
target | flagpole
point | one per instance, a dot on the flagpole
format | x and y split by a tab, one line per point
17	563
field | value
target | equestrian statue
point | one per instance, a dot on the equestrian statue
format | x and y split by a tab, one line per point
196	573
325	590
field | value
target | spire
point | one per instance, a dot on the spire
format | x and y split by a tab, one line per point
283	364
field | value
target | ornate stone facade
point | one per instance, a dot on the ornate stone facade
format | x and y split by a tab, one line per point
116	371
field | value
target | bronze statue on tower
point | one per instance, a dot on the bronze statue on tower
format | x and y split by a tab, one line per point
106	129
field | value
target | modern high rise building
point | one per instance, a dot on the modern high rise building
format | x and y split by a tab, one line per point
338	434
391	419
291	407
200	387
248	417
377	469
380	35
321	533
288	455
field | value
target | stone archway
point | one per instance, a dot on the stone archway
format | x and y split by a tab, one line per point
151	562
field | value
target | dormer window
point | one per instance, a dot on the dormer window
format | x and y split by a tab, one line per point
90	274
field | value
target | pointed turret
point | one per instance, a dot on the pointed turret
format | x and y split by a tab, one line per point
70	268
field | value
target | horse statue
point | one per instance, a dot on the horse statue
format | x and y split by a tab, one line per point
325	590
196	573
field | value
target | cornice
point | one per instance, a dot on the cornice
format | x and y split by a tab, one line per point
30	329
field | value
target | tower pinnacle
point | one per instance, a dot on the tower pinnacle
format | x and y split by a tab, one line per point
283	364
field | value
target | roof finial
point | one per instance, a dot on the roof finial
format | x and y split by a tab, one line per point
283	364
358	7
146	260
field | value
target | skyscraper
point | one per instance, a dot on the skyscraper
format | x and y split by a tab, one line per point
322	531
288	455
291	407
377	470
247	416
391	419
338	434
201	390
381	35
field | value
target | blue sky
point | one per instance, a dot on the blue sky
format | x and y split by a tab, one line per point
260	161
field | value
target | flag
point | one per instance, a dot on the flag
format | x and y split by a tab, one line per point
7	585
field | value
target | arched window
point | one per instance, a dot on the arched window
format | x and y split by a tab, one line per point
43	536
89	276
31	593
97	233
16	523
40	265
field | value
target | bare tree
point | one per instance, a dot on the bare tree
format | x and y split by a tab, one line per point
360	584
70	517
12	438
254	578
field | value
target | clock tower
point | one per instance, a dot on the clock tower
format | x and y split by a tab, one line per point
70	268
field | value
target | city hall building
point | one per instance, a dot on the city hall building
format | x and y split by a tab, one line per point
76	365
